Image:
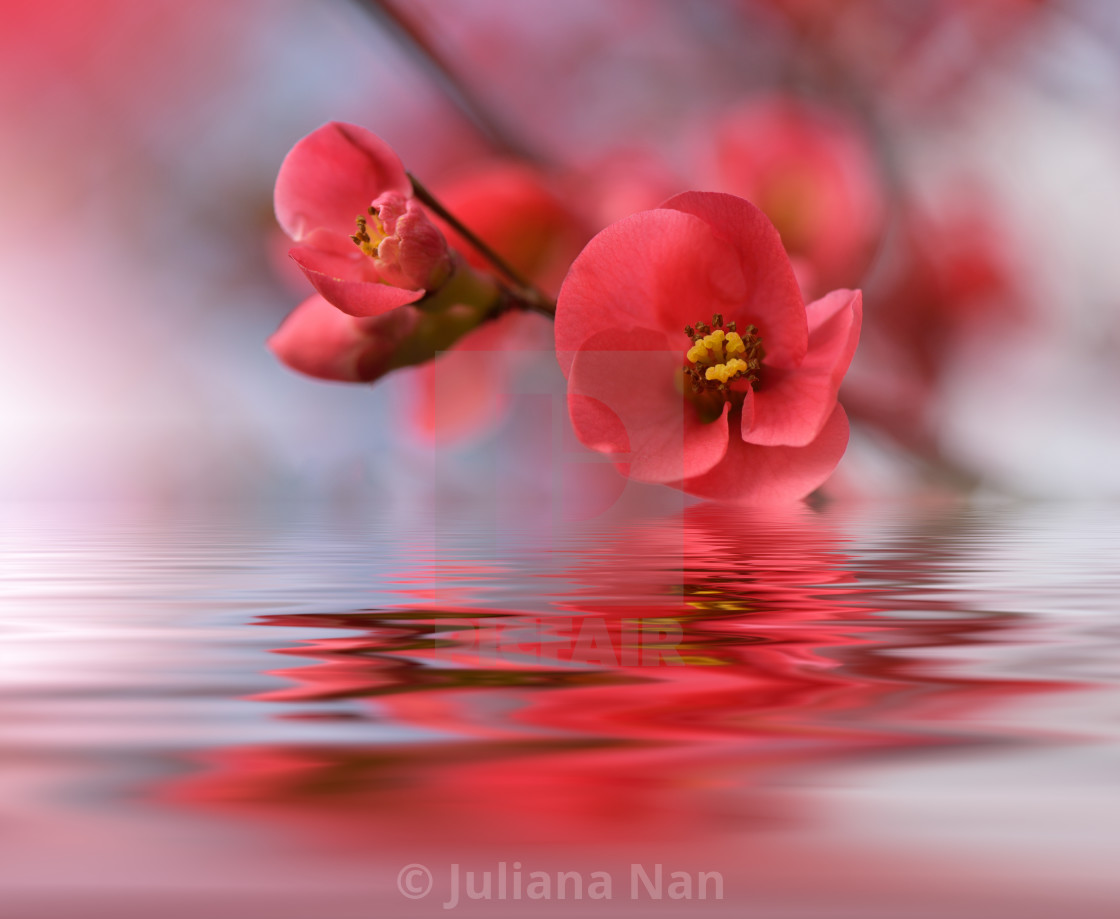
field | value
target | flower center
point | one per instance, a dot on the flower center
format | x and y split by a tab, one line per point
721	355
407	249
366	241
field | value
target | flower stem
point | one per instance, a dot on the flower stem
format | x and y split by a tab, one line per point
524	295
532	300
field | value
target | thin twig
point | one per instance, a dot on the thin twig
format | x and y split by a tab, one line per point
412	39
525	294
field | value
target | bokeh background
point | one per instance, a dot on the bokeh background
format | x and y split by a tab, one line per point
955	158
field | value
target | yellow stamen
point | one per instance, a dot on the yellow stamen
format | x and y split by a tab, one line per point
364	239
720	355
724	372
698	352
713	341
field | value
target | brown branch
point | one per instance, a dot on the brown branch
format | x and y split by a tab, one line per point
411	38
524	295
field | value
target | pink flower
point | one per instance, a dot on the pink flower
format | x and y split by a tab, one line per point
813	173
691	357
362	240
391	293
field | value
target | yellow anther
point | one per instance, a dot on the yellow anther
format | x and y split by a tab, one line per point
714	342
366	240
719	356
724	372
697	352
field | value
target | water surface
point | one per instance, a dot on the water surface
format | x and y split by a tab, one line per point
882	710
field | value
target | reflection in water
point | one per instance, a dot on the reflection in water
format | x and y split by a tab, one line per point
663	672
711	686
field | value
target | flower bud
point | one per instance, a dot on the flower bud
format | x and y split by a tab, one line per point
407	248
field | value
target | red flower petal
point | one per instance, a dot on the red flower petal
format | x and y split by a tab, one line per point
322	342
750	474
349	282
772	299
623	400
662	268
331	176
791	406
334	254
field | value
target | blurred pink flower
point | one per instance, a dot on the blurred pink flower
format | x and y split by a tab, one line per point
813	173
513	208
465	392
913	55
743	410
954	276
621	182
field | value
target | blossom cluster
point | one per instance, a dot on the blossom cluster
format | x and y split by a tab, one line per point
704	336
691	357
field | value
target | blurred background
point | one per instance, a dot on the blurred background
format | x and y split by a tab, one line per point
957	159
